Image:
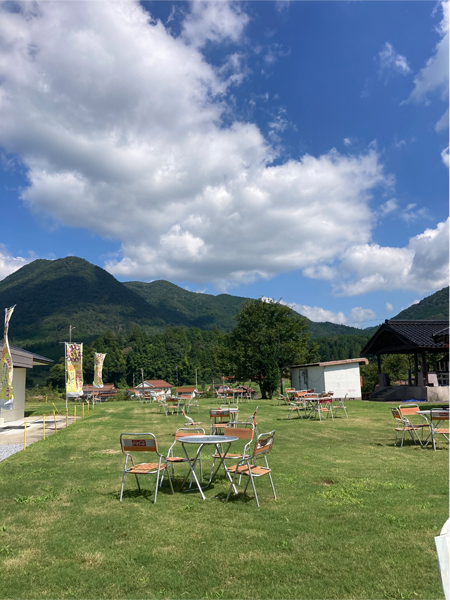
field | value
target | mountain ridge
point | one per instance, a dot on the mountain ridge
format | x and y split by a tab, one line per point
51	294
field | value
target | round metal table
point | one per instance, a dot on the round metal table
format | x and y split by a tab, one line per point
205	440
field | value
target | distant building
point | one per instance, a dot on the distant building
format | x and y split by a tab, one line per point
156	387
22	360
342	377
187	389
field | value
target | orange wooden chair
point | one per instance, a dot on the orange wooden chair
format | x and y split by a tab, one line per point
438	417
219	419
132	443
243	431
404	426
248	467
172	460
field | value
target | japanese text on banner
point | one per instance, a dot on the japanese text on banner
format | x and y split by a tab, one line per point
74	368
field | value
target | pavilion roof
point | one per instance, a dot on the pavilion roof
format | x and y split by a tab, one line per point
404	337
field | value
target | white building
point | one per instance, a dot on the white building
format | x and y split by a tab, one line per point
342	377
22	360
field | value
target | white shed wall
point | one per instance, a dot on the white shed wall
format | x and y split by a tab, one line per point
342	380
314	379
18	412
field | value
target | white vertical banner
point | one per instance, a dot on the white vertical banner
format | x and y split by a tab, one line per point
6	368
74	370
98	368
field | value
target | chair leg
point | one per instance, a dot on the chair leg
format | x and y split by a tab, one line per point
273	488
254	489
121	489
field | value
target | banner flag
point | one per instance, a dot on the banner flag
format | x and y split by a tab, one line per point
98	367
74	370
6	368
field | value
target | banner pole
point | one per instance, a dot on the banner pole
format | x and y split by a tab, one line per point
65	367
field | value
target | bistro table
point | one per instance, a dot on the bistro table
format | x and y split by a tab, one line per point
205	440
437	412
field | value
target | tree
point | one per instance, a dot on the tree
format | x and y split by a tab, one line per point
57	377
268	338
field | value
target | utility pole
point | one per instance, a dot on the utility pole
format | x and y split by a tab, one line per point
195	377
177	374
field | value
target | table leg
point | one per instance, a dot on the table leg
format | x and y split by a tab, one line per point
222	462
192	468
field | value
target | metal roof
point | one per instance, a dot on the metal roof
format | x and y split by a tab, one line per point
25	358
331	363
397	337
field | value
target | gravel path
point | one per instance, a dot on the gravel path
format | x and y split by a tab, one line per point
9	449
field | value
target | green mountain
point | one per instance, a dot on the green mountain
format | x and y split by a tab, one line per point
51	295
431	307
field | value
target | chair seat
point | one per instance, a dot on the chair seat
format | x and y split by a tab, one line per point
441	430
146	468
177	459
244	470
228	455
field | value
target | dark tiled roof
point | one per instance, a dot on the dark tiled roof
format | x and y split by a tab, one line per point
398	336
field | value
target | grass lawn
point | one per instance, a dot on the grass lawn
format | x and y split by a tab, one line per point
355	516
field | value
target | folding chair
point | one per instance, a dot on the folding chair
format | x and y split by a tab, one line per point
252	419
132	443
190	422
162	405
219	418
171	459
411	412
340	405
243	431
193	403
438	416
404	425
247	467
323	406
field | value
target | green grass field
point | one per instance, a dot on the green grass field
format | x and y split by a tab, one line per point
355	516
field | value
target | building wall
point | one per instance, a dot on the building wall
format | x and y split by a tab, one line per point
314	378
19	378
342	380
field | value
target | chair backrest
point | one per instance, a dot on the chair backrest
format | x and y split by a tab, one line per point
396	414
138	442
411	409
219	412
241	431
263	444
439	415
289	390
184	432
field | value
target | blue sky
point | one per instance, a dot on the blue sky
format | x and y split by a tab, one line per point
294	150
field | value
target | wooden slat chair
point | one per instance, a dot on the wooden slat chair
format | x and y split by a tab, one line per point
247	467
411	413
163	407
297	403
132	443
219	419
193	403
244	431
404	426
323	406
438	416
189	421
339	406
172	460
252	419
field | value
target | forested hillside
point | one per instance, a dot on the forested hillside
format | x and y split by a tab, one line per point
431	307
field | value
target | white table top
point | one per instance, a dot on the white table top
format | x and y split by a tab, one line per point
207	439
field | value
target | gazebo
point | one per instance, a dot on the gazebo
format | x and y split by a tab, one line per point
416	338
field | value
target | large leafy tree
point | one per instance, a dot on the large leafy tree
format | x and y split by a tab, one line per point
268	338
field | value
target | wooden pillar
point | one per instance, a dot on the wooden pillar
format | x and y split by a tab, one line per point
416	369
379	364
424	368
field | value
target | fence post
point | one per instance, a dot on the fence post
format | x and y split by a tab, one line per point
43	427
25	437
54	419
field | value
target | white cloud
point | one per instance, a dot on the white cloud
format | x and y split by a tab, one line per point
422	265
122	129
391	62
389	307
433	77
347	142
442	124
388	207
214	22
9	264
445	156
356	318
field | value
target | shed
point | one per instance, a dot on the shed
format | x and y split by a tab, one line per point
342	377
22	360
